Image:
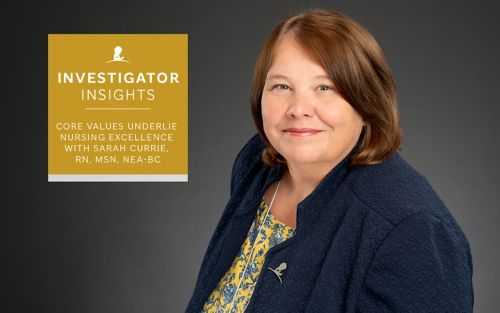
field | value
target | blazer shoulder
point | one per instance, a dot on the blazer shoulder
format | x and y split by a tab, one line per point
247	157
421	245
395	190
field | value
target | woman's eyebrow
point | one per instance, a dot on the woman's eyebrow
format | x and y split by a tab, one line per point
323	76
272	76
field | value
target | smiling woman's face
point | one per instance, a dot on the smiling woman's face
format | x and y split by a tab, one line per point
305	119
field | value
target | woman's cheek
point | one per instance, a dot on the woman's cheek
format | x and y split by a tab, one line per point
272	111
330	116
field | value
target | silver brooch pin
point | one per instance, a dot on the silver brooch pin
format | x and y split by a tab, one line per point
278	270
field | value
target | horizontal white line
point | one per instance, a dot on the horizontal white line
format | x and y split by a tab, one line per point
118	177
117	108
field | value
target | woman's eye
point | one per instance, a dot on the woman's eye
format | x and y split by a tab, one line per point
281	87
325	88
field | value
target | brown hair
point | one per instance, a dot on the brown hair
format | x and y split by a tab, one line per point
357	67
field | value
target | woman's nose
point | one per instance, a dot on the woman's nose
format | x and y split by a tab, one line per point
300	104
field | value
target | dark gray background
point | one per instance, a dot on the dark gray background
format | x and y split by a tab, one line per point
137	247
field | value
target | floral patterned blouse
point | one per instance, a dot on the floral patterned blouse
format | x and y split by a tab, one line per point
272	233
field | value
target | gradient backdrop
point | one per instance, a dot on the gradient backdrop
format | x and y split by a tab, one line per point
137	247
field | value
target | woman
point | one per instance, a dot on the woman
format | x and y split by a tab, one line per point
324	214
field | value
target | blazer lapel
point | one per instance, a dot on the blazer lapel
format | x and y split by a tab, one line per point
245	202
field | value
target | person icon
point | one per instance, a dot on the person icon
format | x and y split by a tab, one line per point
117	55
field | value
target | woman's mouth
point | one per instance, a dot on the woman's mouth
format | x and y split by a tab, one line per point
301	132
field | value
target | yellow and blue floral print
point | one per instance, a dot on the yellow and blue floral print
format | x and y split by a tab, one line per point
272	233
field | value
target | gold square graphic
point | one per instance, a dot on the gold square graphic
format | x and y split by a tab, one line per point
117	107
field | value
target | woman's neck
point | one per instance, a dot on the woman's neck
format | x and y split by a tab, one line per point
301	181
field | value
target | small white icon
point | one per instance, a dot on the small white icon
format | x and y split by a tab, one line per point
117	56
278	270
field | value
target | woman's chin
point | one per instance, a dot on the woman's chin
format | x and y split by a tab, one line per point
300	159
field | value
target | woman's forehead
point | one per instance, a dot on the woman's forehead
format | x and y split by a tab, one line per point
290	56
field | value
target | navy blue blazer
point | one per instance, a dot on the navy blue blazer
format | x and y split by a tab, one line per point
369	238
